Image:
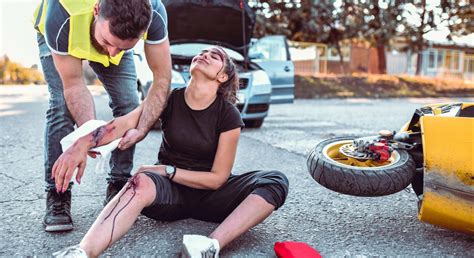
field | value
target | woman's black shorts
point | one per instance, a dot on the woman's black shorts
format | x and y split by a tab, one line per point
174	201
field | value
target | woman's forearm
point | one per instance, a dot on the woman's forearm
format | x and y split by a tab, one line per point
111	131
200	179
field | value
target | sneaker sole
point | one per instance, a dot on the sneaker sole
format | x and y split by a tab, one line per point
58	228
185	253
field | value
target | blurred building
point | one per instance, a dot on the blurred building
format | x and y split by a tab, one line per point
437	60
442	60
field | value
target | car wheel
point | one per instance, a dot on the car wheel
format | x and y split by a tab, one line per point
255	123
337	172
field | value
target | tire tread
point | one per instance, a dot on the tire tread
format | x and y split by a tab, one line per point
359	182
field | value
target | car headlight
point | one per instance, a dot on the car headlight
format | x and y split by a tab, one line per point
177	78
260	78
261	83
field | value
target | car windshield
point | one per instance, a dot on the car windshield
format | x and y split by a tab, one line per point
192	49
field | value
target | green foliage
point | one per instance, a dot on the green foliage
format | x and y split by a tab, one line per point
425	16
459	15
378	22
280	17
306	20
422	18
381	22
309	21
323	21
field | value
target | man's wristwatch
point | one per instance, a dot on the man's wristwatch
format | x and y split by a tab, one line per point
170	171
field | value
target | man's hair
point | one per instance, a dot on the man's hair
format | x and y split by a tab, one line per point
128	18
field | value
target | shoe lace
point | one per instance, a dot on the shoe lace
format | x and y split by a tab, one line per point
210	252
60	206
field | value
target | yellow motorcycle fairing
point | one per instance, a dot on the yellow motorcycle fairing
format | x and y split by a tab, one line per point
448	187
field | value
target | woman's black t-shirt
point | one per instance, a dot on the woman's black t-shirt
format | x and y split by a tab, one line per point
190	137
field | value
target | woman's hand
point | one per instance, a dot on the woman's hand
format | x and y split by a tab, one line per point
64	167
159	169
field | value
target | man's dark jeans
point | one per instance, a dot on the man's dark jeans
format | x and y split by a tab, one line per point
120	83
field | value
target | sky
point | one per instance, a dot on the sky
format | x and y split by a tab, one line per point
18	38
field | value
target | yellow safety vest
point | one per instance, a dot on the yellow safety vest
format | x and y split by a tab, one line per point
81	14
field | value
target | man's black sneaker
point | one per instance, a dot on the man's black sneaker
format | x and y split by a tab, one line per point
58	211
112	190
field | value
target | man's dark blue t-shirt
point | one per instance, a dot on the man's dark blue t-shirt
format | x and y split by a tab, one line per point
57	26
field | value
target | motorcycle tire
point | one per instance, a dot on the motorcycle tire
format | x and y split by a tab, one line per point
357	180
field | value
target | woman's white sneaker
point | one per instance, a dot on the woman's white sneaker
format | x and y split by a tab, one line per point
197	246
74	251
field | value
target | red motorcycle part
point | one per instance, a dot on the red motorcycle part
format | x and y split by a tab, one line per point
381	149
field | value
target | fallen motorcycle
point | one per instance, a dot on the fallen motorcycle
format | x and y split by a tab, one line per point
434	152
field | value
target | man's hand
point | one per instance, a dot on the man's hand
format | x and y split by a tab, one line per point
66	164
159	169
130	138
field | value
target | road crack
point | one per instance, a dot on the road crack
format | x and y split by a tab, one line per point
22	159
42	198
14	179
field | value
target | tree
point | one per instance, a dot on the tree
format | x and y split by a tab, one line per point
310	21
381	21
422	18
331	24
426	16
321	21
4	61
283	17
459	15
11	72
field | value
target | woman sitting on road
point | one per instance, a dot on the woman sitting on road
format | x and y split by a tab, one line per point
192	179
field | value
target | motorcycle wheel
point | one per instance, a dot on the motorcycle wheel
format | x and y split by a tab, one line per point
346	175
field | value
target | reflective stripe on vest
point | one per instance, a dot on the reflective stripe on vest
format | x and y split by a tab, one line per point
39	25
79	43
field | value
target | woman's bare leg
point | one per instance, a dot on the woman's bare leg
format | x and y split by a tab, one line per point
99	235
253	210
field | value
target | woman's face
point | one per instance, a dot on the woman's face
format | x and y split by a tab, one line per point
210	62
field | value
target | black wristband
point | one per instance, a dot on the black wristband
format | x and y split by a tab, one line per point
174	173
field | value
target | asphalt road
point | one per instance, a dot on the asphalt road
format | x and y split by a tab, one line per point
334	224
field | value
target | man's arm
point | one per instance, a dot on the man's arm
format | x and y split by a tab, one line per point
78	98
159	60
76	155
